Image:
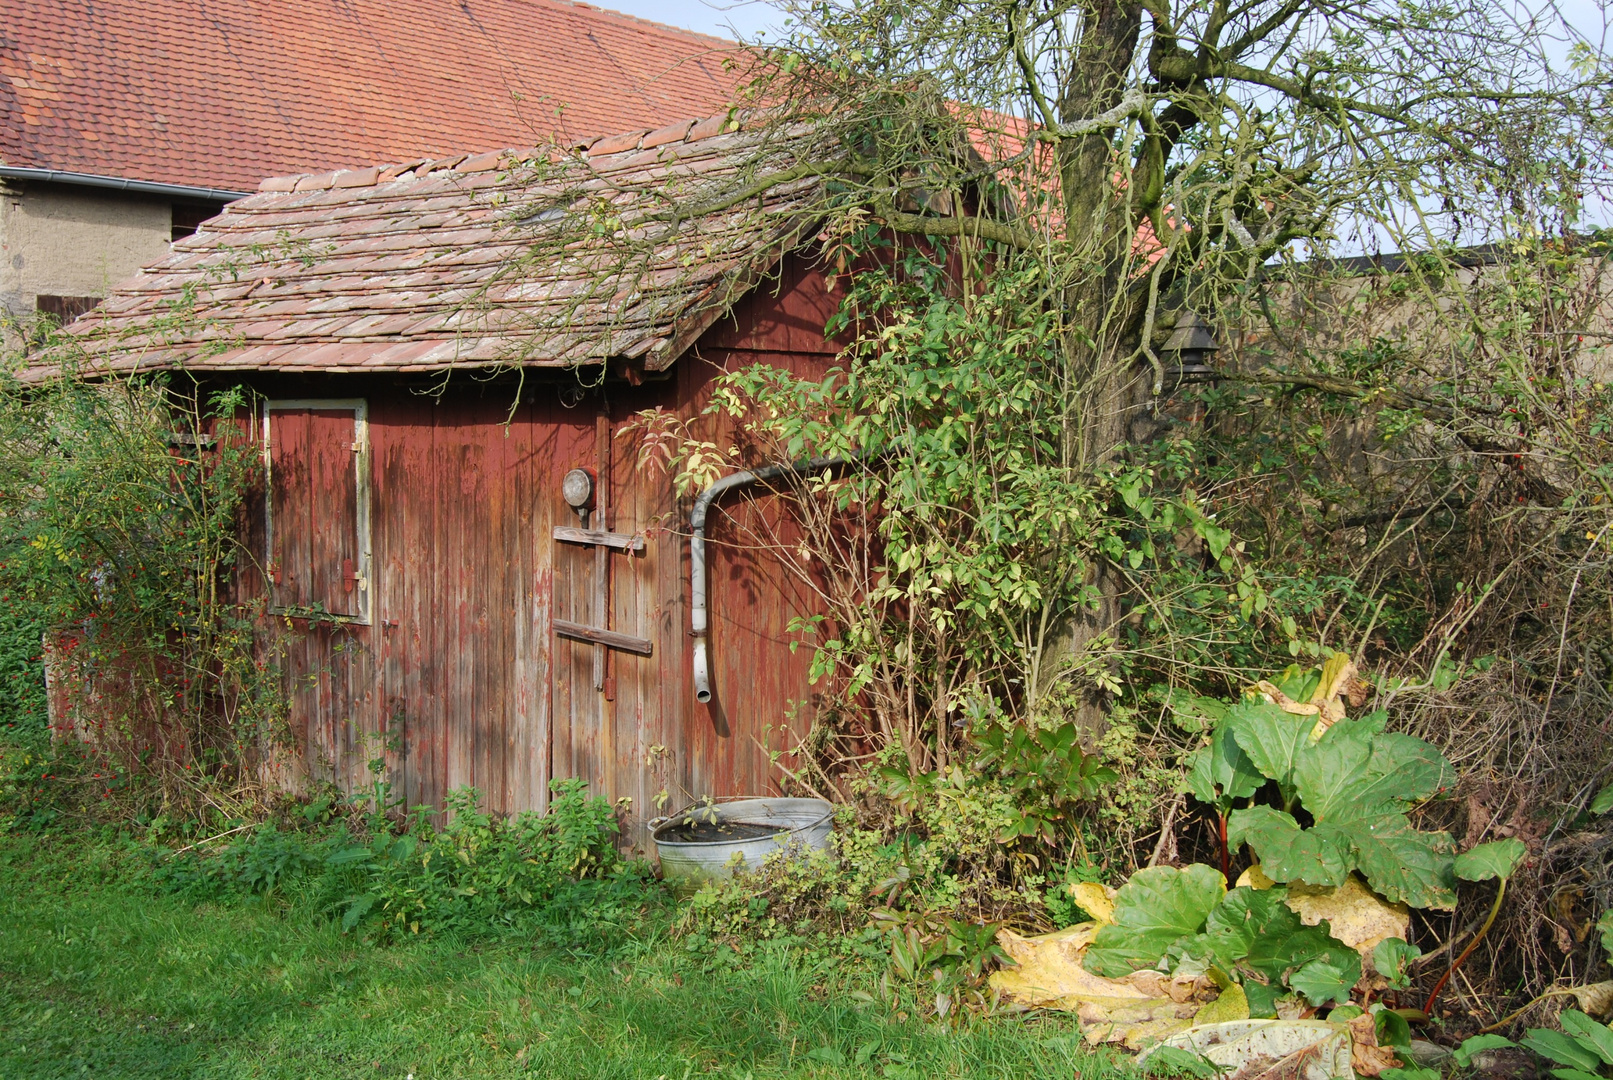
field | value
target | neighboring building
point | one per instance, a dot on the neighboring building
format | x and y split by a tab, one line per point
424	572
127	122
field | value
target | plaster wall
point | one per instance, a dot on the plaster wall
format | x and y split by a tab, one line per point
67	241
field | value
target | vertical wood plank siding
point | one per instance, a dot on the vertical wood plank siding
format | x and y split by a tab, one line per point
461	669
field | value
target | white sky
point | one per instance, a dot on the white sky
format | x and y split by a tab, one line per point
722	19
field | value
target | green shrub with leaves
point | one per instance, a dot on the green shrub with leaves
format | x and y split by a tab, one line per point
118	538
1582	1050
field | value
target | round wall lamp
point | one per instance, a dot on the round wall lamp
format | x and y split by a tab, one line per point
577	488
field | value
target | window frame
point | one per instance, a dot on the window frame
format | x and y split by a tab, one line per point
361	501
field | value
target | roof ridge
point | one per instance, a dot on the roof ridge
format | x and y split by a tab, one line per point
681	131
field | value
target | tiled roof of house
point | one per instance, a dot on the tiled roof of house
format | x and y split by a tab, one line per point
225	93
498	259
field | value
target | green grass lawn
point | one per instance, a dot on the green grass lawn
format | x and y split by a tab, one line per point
101	976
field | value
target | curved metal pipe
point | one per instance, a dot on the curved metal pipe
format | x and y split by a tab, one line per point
698	620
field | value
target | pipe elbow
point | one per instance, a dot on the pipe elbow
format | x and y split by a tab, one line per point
702	674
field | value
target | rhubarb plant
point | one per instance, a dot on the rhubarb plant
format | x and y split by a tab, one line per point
1316	797
1187	921
1356	783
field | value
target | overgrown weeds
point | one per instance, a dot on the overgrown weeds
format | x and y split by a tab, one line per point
119	502
388	876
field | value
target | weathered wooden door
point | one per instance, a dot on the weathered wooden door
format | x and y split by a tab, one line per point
317	562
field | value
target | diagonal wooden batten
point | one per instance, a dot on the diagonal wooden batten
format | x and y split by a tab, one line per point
606	638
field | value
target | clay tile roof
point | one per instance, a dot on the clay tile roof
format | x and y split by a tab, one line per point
226	93
453	263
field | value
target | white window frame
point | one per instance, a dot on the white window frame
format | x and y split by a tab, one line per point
361	466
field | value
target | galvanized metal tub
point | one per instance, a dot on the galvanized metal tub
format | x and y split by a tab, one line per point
803	825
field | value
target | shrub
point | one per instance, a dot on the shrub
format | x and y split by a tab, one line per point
118	538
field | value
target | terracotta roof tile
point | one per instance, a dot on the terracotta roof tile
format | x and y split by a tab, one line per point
161	90
419	273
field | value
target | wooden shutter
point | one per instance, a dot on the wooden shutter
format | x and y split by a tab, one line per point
316	454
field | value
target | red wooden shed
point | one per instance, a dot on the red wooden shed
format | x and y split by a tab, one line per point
424	387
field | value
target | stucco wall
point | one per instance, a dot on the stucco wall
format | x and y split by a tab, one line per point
68	241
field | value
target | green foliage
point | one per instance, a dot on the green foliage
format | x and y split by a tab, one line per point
1220	773
1390	959
1477	1044
1411	1072
118	507
1188	918
22	671
1357	783
1170	1061
1157	907
1497	859
557	872
1047	770
1583	1048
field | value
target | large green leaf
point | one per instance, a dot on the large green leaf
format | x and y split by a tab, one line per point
1221	772
1156	907
1356	782
1275	955
1322	981
1262	999
1272	738
1356	772
1404	865
1318	856
1244	915
1497	859
1477	1044
1403	767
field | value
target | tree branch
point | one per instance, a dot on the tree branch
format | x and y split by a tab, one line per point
978	228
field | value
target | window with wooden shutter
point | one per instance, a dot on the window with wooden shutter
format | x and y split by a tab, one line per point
316	453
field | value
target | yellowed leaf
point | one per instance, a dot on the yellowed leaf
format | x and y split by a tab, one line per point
1048	971
1141	1008
1336	675
1184	989
1255	878
1095	899
1595	998
1368	1058
1284	702
1272	1049
1133	1026
1233	1004
1356	915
